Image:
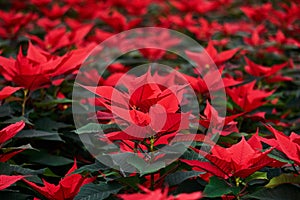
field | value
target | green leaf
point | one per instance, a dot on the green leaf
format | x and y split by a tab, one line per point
282	179
280	157
178	177
257	175
50	173
153	167
137	162
15	195
216	188
95	128
10	169
97	166
40	135
5	110
44	158
132	181
286	192
229	105
143	167
53	102
8	149
17	119
192	155
47	124
97	192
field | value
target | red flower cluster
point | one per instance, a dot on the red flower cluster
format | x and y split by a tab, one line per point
250	151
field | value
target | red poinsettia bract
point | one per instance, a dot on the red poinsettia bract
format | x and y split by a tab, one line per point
240	160
39	69
149	109
248	98
67	188
212	118
6	134
289	145
219	58
158	194
6	181
7	91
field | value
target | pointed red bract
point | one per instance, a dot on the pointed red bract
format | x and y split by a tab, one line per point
6	181
202	58
240	160
289	145
221	125
248	98
158	194
39	69
7	91
150	108
10	131
259	70
67	188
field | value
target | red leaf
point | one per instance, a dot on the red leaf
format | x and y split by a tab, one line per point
67	188
10	131
5	157
7	91
287	146
6	181
242	152
206	166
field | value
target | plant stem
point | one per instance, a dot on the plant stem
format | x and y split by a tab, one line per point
237	181
152	140
152	181
24	101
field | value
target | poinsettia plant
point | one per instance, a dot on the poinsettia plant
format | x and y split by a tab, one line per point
154	133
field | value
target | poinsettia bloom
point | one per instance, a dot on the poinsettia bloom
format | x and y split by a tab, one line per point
47	23
208	82
240	160
255	38
149	109
158	194
287	14
6	134
248	98
176	21
281	39
270	73
198	6
257	13
165	41
67	188
59	38
203	29
260	70
231	28
6	181
40	2
289	145
83	8
56	11
219	58
39	69
212	118
99	35
118	21
12	23
135	7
